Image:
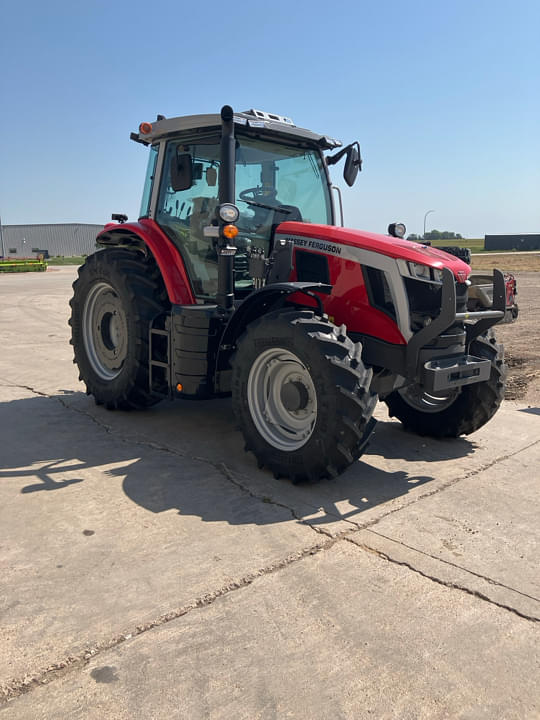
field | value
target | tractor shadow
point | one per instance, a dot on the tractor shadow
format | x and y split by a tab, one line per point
189	457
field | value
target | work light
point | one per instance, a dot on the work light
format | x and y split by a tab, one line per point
228	212
397	230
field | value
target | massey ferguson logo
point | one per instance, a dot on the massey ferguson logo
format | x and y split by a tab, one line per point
462	275
315	244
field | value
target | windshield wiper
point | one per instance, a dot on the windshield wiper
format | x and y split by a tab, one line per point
268	207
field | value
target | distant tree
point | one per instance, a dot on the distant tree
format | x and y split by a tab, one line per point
442	235
414	238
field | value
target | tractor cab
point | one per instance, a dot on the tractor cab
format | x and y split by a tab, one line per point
280	174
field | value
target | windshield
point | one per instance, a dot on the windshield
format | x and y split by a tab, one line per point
277	182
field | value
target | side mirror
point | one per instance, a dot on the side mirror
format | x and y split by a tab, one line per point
211	176
181	172
353	164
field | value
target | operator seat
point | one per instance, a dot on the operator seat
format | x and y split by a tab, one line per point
202	252
202	214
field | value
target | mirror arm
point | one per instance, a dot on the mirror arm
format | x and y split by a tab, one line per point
333	159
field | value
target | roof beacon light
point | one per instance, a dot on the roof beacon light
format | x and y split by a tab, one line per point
145	128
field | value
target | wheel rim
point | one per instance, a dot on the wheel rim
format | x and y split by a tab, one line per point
419	399
104	327
282	399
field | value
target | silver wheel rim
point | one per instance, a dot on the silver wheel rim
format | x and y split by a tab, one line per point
417	398
104	329
282	399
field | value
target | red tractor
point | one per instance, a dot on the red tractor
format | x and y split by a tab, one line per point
237	280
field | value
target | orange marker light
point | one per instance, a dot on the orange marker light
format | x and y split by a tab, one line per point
230	231
145	128
179	387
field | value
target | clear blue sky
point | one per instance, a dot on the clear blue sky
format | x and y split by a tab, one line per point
444	98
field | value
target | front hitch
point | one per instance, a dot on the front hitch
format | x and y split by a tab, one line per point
487	318
484	319
443	321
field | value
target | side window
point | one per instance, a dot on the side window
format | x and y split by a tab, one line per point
149	181
183	214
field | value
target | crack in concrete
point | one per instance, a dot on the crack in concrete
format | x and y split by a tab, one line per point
444	486
19	686
489	580
445	583
221	467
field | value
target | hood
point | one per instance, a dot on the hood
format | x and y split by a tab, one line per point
383	244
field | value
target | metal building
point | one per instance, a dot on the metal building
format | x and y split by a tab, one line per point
66	239
512	242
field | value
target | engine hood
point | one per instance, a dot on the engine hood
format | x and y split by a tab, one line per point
383	244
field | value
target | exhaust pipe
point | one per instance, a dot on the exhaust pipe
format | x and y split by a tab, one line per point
226	251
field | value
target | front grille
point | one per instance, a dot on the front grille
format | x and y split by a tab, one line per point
378	291
425	301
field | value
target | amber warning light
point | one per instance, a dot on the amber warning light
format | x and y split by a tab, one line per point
145	128
230	231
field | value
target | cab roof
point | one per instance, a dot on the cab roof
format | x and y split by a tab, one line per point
251	122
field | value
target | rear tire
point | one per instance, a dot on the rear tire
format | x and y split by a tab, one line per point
300	393
458	412
115	298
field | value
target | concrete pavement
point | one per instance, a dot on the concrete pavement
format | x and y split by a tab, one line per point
150	570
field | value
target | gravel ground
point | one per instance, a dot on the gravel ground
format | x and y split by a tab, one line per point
522	342
521	339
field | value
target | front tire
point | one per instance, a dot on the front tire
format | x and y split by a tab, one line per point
301	395
455	412
115	298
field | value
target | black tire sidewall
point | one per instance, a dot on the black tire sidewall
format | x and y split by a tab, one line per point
473	407
319	451
105	266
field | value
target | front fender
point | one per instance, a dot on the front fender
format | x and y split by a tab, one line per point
258	303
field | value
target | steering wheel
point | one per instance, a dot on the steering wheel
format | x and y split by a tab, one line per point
254	192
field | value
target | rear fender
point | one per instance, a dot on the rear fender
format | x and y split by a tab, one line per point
146	234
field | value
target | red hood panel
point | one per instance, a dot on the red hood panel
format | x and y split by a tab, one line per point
384	244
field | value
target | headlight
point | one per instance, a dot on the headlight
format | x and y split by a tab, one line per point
422	272
228	212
